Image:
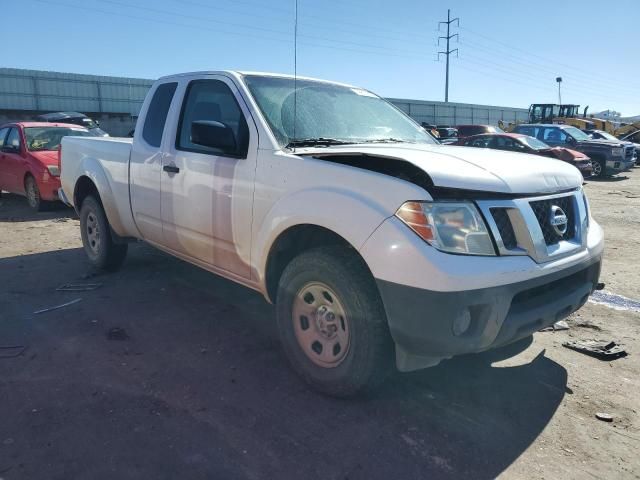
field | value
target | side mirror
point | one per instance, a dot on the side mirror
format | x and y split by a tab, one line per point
210	133
570	140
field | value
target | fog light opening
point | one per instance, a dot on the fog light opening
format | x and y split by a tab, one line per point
462	322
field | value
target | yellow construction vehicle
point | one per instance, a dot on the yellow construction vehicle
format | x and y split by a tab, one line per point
567	114
626	129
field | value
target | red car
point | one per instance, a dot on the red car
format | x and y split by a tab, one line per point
516	142
465	131
29	159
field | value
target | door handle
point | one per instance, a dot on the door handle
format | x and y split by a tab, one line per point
171	169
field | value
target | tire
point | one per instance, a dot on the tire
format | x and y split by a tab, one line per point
328	297
102	251
32	192
598	168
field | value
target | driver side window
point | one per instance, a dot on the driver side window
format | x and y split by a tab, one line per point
211	100
13	140
3	135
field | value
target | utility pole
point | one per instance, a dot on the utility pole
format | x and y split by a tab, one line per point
448	51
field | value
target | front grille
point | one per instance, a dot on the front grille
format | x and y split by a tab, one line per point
628	153
542	210
503	222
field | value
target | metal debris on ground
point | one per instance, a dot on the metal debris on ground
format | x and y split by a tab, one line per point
117	333
559	325
78	287
58	306
605	417
600	349
11	351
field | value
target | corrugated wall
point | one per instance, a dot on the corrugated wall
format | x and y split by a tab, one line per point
41	91
440	113
37	90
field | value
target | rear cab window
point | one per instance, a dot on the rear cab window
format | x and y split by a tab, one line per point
156	116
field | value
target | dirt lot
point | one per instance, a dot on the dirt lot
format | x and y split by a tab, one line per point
199	388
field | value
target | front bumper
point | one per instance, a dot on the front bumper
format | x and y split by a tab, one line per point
439	305
429	326
615	166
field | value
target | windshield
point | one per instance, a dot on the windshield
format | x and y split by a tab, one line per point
534	143
577	134
608	136
330	113
49	138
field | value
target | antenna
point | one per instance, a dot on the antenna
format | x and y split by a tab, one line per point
295	72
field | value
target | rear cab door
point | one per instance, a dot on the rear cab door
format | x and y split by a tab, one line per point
207	194
146	162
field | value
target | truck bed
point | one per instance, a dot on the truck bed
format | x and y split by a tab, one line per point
106	161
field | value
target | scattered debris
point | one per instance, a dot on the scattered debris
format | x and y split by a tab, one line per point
58	306
11	351
588	325
599	349
605	417
117	333
78	287
559	325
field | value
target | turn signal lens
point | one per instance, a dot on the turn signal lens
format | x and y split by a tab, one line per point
412	214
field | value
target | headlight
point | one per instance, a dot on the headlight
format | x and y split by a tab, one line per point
54	170
617	151
454	227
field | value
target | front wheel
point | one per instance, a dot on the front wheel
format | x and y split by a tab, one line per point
102	251
597	168
32	193
332	323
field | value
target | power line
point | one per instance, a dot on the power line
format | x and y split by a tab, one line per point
448	51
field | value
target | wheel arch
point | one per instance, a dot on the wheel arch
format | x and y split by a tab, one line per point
292	242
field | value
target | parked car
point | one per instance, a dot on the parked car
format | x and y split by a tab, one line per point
608	157
29	158
374	241
465	131
75	118
448	135
516	142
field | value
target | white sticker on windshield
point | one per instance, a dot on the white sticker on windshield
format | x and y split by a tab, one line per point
362	93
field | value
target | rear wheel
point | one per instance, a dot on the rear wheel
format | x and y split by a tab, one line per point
331	321
100	248
32	193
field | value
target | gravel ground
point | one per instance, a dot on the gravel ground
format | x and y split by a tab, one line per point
198	388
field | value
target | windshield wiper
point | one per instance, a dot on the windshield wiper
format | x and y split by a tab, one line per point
316	142
386	140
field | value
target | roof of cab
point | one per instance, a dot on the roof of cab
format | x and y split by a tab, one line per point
239	74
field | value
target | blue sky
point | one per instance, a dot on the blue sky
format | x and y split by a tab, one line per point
509	52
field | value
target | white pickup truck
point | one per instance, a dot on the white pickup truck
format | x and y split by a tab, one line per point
372	239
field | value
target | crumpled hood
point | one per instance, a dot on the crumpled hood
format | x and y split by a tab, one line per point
472	168
46	157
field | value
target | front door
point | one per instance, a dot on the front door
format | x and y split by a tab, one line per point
207	193
13	163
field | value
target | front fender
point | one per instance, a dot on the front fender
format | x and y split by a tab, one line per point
347	213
